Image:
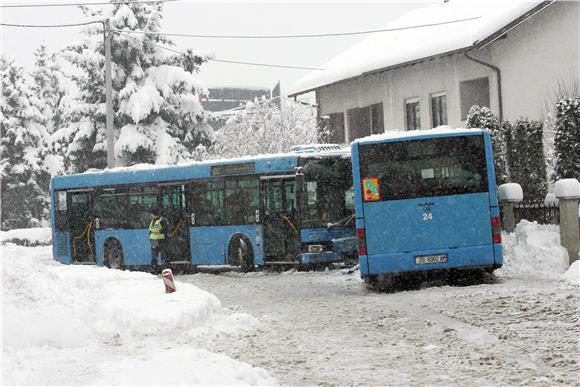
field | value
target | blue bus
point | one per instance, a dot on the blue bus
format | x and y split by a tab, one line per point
425	201
276	209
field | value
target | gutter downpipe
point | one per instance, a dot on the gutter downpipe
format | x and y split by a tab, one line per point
498	74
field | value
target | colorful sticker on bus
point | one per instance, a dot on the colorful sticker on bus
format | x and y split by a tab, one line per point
371	191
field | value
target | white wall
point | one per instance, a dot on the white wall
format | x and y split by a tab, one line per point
536	56
532	59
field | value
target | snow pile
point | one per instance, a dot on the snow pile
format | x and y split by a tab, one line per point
119	327
27	236
534	250
573	273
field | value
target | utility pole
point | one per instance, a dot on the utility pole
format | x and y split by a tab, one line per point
109	97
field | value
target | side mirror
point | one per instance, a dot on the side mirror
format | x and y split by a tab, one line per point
193	219
97	223
257	216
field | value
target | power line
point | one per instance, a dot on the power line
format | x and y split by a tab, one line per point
322	35
50	25
83	4
228	61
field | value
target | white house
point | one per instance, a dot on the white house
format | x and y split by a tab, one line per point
510	56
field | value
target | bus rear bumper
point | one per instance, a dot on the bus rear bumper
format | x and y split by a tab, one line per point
461	257
323	257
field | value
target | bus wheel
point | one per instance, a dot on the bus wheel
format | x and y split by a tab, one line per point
113	254
240	253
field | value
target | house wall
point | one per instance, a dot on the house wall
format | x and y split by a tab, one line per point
533	58
536	56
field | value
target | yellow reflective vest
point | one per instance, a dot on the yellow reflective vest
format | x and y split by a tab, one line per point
156	230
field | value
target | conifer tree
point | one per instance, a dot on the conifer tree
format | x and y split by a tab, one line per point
156	98
483	118
567	141
22	134
527	162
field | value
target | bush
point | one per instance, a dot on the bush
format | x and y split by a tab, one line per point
567	141
482	117
526	161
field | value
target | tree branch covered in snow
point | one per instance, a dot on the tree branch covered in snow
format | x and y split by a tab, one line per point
263	127
158	117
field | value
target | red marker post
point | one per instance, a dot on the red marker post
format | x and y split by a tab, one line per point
168	280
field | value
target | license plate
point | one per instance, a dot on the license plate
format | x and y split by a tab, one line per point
430	259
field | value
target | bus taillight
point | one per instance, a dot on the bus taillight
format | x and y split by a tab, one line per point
362	241
495	229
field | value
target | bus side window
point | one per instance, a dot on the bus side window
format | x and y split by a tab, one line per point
60	211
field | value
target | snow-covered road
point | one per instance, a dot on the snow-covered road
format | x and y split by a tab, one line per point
327	328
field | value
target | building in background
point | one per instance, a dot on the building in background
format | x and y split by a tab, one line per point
510	56
225	101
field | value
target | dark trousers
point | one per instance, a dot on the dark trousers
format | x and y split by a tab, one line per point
158	248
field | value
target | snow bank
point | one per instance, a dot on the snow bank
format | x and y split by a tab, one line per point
27	236
93	315
533	250
573	273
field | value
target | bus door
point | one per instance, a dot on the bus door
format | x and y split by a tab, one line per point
281	228
81	222
174	208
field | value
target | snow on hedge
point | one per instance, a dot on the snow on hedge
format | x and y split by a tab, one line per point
534	250
86	325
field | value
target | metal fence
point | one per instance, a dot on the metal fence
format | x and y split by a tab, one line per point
537	211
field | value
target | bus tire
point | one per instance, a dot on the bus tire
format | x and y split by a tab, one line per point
240	253
113	254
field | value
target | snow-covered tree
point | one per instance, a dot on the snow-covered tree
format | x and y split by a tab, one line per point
22	136
567	141
483	118
156	98
263	127
527	164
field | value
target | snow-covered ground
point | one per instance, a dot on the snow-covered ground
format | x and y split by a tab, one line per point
86	325
65	325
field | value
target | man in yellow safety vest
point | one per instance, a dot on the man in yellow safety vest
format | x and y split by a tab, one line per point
157	236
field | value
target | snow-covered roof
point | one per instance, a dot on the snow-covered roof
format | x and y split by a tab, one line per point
384	50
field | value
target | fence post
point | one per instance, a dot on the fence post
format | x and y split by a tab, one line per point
568	192
509	195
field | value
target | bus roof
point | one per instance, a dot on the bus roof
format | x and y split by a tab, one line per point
148	173
443	131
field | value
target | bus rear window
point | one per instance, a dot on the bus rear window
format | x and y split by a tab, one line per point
425	168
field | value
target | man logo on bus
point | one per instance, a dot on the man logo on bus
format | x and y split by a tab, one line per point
371	192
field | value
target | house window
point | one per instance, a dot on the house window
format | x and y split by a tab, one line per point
377	121
439	109
365	121
412	114
473	92
336	127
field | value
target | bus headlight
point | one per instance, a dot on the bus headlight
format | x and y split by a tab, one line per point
315	249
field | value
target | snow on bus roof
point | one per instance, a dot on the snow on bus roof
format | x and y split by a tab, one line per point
344	152
480	19
441	130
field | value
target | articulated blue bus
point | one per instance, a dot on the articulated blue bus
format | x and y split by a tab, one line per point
425	201
277	209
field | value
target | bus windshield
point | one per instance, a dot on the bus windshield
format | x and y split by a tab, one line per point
329	192
425	168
